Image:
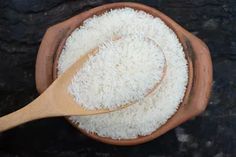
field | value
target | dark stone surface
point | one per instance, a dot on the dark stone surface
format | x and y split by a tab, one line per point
22	25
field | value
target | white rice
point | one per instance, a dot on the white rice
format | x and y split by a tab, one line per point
122	71
150	113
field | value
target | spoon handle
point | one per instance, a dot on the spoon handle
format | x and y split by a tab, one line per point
37	109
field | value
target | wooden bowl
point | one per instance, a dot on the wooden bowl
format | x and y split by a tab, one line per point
197	55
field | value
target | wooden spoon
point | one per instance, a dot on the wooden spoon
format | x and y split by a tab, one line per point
56	100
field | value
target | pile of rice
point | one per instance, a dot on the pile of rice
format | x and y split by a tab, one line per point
121	72
148	114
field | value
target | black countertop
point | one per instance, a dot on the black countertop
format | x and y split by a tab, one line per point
213	133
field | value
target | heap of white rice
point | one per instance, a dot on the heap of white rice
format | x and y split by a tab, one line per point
122	71
149	114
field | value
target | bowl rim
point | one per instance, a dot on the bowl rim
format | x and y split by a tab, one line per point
190	44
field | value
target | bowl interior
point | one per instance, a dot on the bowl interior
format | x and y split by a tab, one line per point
191	105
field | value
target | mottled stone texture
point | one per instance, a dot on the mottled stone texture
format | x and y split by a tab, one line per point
22	25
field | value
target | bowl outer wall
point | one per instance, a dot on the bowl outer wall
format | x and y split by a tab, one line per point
196	52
